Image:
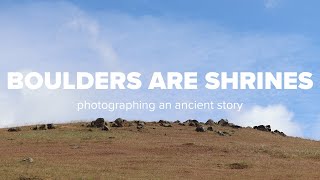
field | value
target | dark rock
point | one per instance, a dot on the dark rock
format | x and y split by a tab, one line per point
51	126
119	122
263	128
279	133
210	122
105	128
223	122
234	126
177	122
191	122
98	123
14	129
164	122
43	127
200	129
210	128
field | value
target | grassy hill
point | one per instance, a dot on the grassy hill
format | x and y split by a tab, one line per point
74	151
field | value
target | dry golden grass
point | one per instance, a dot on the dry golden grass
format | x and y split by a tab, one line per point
178	152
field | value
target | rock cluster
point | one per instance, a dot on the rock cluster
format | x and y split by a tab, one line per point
267	128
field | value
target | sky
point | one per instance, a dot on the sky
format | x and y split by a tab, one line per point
148	36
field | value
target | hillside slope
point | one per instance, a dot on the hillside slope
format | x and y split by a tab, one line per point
74	151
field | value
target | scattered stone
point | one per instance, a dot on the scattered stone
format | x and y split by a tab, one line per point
28	160
182	124
263	128
200	129
210	128
35	128
223	122
14	129
210	122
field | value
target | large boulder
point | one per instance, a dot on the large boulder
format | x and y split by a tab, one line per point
279	133
98	123
51	126
43	127
223	122
192	122
200	129
263	128
210	122
119	122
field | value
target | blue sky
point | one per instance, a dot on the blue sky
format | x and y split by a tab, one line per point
147	36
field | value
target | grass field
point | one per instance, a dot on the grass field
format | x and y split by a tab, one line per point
74	152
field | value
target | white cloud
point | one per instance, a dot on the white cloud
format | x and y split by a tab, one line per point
278	116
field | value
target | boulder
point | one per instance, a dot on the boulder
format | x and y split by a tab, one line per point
223	122
210	122
105	128
177	122
191	122
164	122
119	122
279	133
263	128
51	126
43	127
200	129
98	123
140	124
210	128
14	129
